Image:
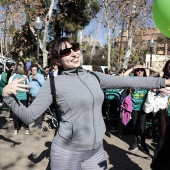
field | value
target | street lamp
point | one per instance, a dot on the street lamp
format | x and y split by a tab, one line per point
38	26
151	45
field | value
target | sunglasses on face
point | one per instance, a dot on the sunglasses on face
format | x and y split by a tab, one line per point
140	69
67	51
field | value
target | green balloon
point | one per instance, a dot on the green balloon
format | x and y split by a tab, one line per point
161	16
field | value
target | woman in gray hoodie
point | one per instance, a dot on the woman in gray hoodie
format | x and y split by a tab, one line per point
78	143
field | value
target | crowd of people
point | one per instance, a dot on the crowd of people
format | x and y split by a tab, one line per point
35	77
118	96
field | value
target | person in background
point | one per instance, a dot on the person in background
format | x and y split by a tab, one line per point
106	70
138	97
46	72
97	68
55	70
28	64
3	81
27	73
10	71
21	96
22	63
121	72
39	64
112	71
78	143
113	101
36	82
9	75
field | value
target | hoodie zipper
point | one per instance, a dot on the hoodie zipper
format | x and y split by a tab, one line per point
93	110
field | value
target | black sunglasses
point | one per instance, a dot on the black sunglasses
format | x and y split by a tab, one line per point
139	69
67	51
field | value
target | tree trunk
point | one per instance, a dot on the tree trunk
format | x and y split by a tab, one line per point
43	43
128	49
95	40
80	42
108	32
47	21
130	36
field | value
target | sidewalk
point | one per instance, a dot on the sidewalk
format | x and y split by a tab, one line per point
28	152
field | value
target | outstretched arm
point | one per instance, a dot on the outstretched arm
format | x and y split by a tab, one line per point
42	101
153	69
129	71
110	82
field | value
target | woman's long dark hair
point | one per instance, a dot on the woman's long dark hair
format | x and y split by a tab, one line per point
166	74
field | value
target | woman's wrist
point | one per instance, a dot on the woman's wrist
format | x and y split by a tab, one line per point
5	92
167	82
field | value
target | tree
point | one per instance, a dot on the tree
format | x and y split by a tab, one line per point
65	16
135	14
74	15
20	29
98	58
95	40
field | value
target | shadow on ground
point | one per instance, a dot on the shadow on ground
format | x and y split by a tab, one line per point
118	158
3	122
44	154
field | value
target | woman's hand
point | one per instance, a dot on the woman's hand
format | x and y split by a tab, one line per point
165	90
15	85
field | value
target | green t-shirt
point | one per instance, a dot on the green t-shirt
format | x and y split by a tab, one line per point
20	95
138	97
168	105
112	94
3	82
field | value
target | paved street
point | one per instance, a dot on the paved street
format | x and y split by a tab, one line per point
28	152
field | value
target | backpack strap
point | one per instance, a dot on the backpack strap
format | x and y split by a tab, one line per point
53	93
91	72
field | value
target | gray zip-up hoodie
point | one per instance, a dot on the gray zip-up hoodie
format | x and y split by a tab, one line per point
80	98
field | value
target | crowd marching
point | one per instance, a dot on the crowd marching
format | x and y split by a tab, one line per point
127	103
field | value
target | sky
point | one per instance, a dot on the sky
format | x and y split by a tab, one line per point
91	31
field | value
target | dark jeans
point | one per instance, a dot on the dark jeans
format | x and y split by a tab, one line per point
1	99
161	122
39	120
162	160
138	121
17	121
